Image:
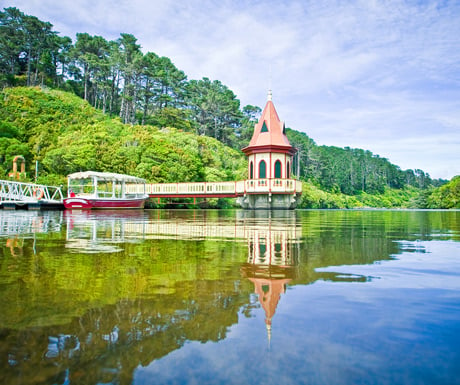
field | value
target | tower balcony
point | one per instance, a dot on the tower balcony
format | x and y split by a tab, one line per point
271	186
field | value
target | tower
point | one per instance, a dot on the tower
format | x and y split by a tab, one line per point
270	158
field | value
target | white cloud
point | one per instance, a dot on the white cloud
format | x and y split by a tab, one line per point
383	76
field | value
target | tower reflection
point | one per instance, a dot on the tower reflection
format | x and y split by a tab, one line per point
273	258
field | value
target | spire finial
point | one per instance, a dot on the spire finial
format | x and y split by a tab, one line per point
269	97
269	333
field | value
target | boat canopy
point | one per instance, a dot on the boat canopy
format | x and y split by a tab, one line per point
106	176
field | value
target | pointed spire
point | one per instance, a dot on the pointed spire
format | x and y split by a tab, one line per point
269	132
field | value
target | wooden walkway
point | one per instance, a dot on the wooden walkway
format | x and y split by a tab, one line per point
219	189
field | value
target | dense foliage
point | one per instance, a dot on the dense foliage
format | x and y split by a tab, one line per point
65	134
140	117
351	171
313	197
446	196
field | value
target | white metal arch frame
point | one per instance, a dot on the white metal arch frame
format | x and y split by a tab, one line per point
28	192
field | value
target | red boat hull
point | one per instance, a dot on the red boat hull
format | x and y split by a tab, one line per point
99	204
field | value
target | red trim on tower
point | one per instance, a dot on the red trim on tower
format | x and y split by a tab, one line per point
271	165
269	148
284	169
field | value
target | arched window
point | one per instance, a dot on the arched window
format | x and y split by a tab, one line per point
278	169
251	170
262	252
288	171
262	169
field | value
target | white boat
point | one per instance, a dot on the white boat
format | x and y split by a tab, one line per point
104	190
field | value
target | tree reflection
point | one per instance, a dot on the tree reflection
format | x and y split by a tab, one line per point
88	297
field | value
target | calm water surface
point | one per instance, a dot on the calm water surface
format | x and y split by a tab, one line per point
230	297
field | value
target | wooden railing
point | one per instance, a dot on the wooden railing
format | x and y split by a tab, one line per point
219	189
274	186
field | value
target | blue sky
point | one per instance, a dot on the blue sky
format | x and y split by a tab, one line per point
378	75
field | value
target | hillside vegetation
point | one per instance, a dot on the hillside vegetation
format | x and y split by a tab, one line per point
65	134
446	196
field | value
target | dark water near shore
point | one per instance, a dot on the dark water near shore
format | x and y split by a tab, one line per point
230	297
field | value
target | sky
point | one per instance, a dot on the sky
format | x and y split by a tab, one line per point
383	76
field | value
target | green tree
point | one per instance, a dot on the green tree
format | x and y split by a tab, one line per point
250	117
39	41
90	56
130	65
162	85
12	37
215	109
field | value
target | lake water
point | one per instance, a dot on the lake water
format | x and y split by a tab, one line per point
230	297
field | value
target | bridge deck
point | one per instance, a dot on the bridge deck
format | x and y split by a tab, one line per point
219	189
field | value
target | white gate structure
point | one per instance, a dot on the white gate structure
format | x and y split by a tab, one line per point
28	192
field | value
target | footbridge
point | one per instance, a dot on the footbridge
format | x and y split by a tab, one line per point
278	193
29	195
218	189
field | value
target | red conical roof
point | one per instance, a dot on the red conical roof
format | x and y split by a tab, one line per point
269	133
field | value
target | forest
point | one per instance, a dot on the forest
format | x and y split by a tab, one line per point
107	106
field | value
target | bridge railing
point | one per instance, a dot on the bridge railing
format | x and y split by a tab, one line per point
188	189
220	189
276	186
19	191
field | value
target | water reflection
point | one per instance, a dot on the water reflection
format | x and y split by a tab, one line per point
24	225
115	226
272	238
89	297
135	287
102	232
